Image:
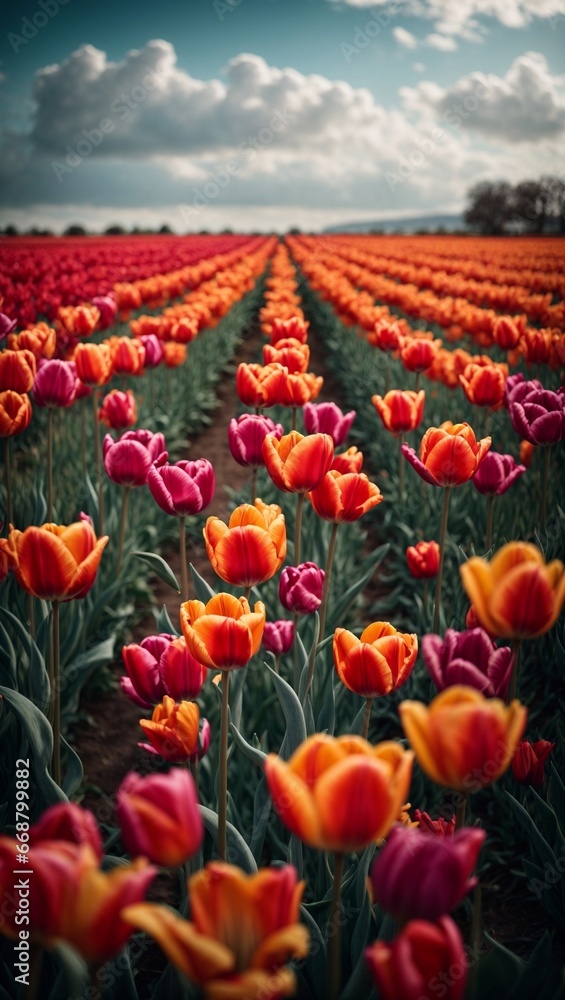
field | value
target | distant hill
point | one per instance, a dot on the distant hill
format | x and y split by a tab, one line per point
432	222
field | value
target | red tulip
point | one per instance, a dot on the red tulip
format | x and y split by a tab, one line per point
69	822
118	410
159	817
528	762
424	958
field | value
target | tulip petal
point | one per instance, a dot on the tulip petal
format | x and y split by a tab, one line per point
293	801
199	957
354	803
44	564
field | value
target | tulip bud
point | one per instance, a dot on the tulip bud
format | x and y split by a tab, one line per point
246	436
69	822
528	762
423	560
327	418
159	817
55	383
421	954
118	410
153	350
107	307
278	636
300	588
184	488
439	827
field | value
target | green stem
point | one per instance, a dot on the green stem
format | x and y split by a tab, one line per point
56	696
50	464
254	484
295	619
223	776
8	467
425	601
183	563
334	933
298	527
387	373
417	383
277	664
123	524
31	616
366	718
461	812
490	512
446	495
514	670
327	581
545	485
312	662
294	412
98	461
486	424
83	436
401	463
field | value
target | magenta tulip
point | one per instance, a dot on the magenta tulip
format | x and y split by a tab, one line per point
517	387
161	665
469	658
69	822
539	416
184	488
327	418
418	875
6	325
55	383
300	588
159	817
107	307
278	636
128	460
153	350
246	436
496	473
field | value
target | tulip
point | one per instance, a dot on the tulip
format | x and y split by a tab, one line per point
327	418
294	328
184	330
348	461
387	335
54	562
15	413
78	321
6	325
449	456
297	463
55	383
518	387
93	363
174	731
17	371
251	548
539	417
344	498
400	410
298	389
439	827
128	355
515	595
153	350
526	453
379	662
463	740
528	763
260	385
496	473
159	818
301	587
422	876
483	385
278	637
108	308
127	461
161	665
118	410
174	355
68	822
71	900
246	436
423	560
289	353
423	957
469	658
506	333
418	352
243	931
41	340
223	634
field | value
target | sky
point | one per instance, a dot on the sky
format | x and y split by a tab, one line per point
267	114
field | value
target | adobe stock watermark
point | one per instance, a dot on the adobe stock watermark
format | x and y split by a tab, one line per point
427	146
362	37
31	26
120	109
248	150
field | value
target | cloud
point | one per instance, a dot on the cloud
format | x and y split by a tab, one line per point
445	43
460	17
524	106
405	38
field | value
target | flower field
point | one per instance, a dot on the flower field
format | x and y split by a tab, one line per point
282	652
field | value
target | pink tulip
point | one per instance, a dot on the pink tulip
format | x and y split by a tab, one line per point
517	387
159	816
55	383
469	658
153	350
496	473
278	636
327	418
246	436
183	488
69	822
418	875
107	308
539	416
161	665
118	410
128	460
6	325
300	588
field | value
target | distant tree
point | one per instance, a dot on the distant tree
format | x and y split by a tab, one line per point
530	205
490	207
75	230
555	187
115	230
294	231
165	230
11	230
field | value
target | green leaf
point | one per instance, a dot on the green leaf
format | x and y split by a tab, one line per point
161	569
257	756
39	736
202	589
164	623
237	850
293	713
340	607
73	771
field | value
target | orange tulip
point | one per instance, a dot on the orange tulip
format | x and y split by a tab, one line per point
296	390
483	385
516	595
94	363
526	453
377	663
423	560
283	329
128	355
54	562
463	740
71	900
173	730
260	385
17	370
449	455
298	462
224	633
289	353
400	410
340	794
348	461
41	340
506	333
251	548
339	498
243	930
15	413
418	352
174	354
79	321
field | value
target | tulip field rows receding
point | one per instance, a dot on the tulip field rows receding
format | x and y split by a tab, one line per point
350	741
